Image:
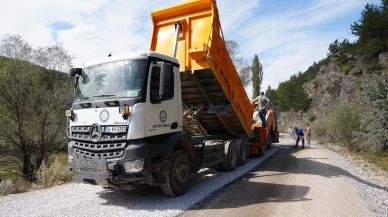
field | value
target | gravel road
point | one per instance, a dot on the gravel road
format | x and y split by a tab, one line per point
88	200
295	182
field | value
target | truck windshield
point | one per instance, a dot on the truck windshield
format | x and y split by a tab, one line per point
120	79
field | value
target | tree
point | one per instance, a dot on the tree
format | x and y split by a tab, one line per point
257	75
337	47
271	94
32	101
239	62
373	23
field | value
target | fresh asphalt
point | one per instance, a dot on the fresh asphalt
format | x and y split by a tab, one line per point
293	182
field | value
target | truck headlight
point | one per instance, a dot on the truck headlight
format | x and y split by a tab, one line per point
134	166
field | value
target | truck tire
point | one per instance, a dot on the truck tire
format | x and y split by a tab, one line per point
179	175
241	152
269	141
230	160
261	151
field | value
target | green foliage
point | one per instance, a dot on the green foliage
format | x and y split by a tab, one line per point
257	76
271	94
373	23
374	120
344	122
370	48
346	68
339	47
312	118
376	66
371	30
290	94
380	159
33	96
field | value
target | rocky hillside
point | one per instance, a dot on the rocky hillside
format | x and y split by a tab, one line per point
338	81
341	80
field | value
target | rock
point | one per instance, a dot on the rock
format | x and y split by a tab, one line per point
383	59
311	88
350	56
356	71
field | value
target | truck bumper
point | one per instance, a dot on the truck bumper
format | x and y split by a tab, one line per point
85	169
112	172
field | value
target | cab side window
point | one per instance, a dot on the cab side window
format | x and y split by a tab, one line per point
155	84
169	86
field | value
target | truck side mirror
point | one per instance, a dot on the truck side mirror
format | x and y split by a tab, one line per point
165	77
74	72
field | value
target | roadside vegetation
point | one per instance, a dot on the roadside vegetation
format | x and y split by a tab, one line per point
360	127
34	93
363	127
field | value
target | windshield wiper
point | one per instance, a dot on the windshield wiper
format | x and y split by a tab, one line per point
89	98
108	95
105	95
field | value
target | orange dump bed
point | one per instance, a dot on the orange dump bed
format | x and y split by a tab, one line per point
208	76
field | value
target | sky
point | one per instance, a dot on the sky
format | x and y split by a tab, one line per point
288	36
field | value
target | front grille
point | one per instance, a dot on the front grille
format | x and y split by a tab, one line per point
105	137
106	154
111	145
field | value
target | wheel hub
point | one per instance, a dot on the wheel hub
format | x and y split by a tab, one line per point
181	173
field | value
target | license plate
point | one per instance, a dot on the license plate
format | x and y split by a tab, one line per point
89	166
118	129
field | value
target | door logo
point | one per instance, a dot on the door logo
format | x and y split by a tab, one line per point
104	115
95	132
163	116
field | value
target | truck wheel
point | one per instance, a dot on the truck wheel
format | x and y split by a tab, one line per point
269	141
178	177
241	152
230	161
261	151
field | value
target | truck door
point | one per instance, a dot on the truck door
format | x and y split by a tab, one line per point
162	112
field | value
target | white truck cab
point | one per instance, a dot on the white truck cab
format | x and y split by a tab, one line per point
122	109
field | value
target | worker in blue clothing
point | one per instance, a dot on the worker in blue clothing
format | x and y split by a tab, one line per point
300	136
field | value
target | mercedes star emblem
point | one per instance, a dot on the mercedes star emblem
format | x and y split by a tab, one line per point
95	132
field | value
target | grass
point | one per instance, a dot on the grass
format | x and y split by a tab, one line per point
54	172
380	160
8	170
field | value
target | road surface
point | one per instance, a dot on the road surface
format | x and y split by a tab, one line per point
293	182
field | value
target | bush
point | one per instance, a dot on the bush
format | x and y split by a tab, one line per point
312	118
321	131
345	121
376	66
346	68
55	174
374	121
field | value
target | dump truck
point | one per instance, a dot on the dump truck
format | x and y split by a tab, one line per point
157	117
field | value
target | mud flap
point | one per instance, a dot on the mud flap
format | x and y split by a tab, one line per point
90	169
